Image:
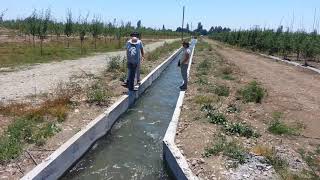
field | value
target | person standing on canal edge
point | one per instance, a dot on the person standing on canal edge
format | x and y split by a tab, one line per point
135	54
184	64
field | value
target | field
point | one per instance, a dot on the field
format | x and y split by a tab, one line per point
257	118
17	50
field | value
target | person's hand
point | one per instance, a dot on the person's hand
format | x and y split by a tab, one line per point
142	58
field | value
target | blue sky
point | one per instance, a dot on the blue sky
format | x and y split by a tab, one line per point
230	13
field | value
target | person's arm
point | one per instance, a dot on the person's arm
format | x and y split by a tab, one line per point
142	52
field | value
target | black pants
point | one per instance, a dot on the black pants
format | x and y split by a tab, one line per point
132	68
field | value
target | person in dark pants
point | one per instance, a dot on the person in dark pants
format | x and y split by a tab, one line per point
135	54
184	64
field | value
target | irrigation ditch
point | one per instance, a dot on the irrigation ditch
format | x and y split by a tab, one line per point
126	140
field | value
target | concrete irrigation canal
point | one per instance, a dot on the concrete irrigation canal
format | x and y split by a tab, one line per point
133	148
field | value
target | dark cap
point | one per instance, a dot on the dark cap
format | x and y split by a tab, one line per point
134	34
185	43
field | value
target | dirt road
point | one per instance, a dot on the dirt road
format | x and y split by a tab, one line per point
291	90
43	78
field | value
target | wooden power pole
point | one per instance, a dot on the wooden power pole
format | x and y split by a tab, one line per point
182	22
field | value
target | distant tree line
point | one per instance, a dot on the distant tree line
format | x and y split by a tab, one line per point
41	25
202	31
280	41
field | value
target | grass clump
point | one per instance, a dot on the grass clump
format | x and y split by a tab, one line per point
213	115
24	130
30	125
98	94
217	118
229	149
222	90
233	108
312	159
228	77
241	129
203	100
226	70
202	45
271	156
114	64
202	80
252	93
280	128
203	68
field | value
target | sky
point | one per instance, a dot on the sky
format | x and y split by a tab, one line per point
154	13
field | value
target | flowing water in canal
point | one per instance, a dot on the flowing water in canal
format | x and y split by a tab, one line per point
133	148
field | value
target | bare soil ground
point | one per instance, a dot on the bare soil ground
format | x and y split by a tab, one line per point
43	78
78	117
290	90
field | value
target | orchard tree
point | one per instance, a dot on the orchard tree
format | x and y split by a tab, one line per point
96	29
68	30
33	25
57	29
43	27
83	28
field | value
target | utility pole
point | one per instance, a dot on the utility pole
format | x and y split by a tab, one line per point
182	21
191	29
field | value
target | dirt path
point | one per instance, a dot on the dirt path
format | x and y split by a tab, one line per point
291	90
44	78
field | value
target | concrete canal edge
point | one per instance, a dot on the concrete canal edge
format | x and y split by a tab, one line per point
172	155
291	63
71	151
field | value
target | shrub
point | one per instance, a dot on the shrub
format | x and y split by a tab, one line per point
98	94
278	127
252	93
222	90
241	129
114	64
217	118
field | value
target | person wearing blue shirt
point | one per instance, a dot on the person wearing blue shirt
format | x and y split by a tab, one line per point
135	54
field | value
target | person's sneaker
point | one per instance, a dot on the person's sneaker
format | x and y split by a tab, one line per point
124	84
183	88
